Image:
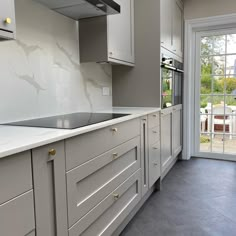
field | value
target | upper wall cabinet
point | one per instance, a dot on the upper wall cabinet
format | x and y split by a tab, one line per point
172	26
166	23
7	19
109	39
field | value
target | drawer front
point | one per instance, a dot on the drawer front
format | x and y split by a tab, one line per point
90	183
154	135
154	120
110	213
87	146
15	176
17	216
154	163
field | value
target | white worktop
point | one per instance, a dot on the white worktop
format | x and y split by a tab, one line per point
14	139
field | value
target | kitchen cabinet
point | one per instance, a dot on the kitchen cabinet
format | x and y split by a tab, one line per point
16	198
50	190
7	19
171	136
178	24
172	20
105	218
90	183
166	138
177	130
154	148
166	23
121	34
109	39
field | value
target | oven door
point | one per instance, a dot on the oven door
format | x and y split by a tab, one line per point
178	88
167	75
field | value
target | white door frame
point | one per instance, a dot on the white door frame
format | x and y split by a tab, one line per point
191	28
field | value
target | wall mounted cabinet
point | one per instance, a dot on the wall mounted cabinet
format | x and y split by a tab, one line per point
7	19
172	22
109	39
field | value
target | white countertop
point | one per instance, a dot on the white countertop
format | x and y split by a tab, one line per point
14	139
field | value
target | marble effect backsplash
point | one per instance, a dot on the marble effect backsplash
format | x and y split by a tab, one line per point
40	72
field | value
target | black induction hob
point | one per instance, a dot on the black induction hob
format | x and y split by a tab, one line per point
69	121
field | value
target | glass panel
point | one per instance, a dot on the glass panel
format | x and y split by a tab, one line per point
203	123
205	102
218	143
205	143
219	44
206	46
218	65
231	65
229	144
218	100
218	84
231	41
230	86
206	84
230	101
206	66
167	88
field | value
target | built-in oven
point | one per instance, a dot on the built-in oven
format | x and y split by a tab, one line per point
172	82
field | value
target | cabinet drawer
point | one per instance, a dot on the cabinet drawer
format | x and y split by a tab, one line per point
104	219
15	176
154	163
87	146
154	135
90	183
17	216
153	120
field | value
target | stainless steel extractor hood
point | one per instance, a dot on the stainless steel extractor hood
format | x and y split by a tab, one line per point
80	9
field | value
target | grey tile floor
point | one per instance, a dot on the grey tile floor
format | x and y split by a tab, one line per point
198	198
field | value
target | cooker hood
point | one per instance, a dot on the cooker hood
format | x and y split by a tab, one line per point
80	9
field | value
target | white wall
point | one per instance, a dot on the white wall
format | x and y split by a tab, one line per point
205	8
40	73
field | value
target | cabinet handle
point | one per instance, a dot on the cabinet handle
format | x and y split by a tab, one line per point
116	196
115	156
155	115
155	164
144	119
110	53
155	148
52	152
114	130
8	20
155	132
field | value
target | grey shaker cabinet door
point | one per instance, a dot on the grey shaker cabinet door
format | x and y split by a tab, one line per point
7	18
121	34
177	130
105	218
154	163
87	146
166	23
17	216
144	154
50	190
15	176
90	183
166	139
178	27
